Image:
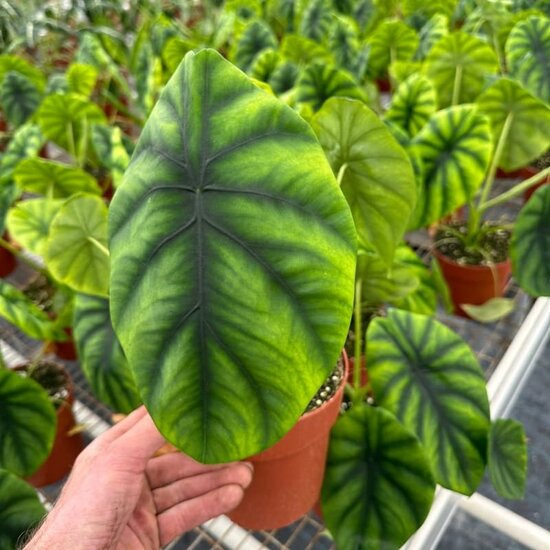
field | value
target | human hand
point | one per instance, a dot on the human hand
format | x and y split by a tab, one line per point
119	496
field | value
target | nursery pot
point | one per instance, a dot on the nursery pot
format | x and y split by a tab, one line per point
473	284
66	447
66	349
288	476
8	261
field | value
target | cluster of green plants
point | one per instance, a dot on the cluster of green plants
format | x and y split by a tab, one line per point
265	160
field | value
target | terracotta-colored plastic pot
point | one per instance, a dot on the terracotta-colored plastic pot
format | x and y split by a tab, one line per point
521	173
288	476
8	262
529	193
473	284
66	350
66	447
364	379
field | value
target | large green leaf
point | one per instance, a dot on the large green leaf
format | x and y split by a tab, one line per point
12	63
424	298
530	247
257	36
458	65
25	143
430	379
27	424
455	148
19	98
81	79
507	458
102	359
378	181
65	119
53	179
381	284
17	309
29	223
317	20
528	55
302	50
77	254
413	104
378	486
526	118
319	82
284	77
393	40
431	33
264	64
20	510
212	242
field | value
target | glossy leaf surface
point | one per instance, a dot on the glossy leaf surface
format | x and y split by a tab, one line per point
27	424
77	252
26	142
319	82
471	57
20	311
455	149
53	179
66	119
101	357
20	510
378	181
430	379
392	40
413	104
530	246
528	121
29	223
213	240
528	55
19	98
378	486
508	458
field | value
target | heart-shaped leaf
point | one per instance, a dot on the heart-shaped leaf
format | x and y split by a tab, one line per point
13	63
284	77
530	246
455	148
65	119
392	40
212	242
430	379
29	223
101	357
424	298
413	104
458	65
378	487
377	181
81	79
264	64
20	311
319	82
53	179
302	50
257	36
26	142
524	118
317	20
20	510
507	456
432	32
492	310
528	55
77	253
19	98
27	424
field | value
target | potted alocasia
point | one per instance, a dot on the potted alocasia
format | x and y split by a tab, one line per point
232	264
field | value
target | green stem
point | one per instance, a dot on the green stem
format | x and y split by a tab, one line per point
358	336
70	140
341	173
517	190
456	86
99	246
121	108
17	253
